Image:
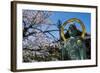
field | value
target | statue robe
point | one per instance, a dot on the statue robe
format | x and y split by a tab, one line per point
74	49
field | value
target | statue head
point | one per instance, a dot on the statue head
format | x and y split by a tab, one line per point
72	30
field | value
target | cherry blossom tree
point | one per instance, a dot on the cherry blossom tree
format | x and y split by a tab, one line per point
36	26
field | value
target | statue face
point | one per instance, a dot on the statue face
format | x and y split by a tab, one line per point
72	30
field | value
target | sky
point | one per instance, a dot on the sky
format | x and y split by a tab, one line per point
63	16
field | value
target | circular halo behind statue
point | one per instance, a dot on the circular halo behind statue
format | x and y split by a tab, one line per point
69	21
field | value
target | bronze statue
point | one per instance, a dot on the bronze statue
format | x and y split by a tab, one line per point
74	47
